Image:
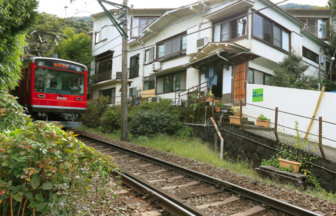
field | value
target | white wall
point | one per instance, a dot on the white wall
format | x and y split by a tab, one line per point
192	77
297	101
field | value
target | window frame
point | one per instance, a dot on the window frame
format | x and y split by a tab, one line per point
134	69
173	80
175	54
228	21
305	50
151	58
316	25
149	79
253	76
103	58
138	27
282	29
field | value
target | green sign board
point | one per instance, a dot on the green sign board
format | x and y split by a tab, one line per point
258	95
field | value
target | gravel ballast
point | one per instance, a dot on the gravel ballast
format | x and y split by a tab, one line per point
279	192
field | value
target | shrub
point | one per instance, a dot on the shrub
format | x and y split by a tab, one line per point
110	119
164	105
41	165
150	122
185	132
95	109
12	114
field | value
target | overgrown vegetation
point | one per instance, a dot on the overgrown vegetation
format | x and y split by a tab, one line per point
95	109
296	154
75	47
145	119
290	73
41	166
16	16
54	27
110	120
151	122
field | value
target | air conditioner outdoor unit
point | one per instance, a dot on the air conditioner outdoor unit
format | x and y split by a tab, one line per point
156	66
202	42
118	75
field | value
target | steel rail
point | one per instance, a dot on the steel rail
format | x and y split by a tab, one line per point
224	185
173	204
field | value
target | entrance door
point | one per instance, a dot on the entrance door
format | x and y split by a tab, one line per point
239	82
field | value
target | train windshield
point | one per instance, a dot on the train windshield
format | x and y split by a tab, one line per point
58	82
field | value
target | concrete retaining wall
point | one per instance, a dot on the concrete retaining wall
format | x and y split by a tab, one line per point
244	146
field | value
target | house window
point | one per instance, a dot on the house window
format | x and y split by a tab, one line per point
258	77
134	66
109	93
133	92
149	55
316	26
172	82
97	37
229	30
104	66
310	55
173	46
250	76
101	35
270	32
139	24
149	83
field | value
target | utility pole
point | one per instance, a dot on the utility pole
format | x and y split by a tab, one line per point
124	83
123	33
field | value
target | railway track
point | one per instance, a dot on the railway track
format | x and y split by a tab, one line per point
183	191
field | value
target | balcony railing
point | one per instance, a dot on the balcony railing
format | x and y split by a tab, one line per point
102	76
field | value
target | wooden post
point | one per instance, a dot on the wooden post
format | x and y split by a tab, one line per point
241	114
276	124
320	138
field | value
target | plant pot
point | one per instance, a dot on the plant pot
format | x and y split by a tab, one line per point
263	123
235	120
236	113
217	109
290	165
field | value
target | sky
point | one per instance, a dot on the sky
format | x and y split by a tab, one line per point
70	8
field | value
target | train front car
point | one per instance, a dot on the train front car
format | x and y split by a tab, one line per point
58	90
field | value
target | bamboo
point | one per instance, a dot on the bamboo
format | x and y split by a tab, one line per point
316	109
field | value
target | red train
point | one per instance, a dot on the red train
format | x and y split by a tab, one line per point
53	89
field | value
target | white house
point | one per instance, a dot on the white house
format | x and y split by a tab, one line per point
226	43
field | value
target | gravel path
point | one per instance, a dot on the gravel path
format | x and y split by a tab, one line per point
279	192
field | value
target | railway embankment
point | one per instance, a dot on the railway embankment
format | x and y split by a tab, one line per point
277	191
244	145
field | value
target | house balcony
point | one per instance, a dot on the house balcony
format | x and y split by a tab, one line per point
100	77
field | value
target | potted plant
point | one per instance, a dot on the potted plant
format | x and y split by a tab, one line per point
263	121
292	166
236	110
218	106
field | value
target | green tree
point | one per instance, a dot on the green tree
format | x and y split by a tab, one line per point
49	28
290	73
15	17
75	47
